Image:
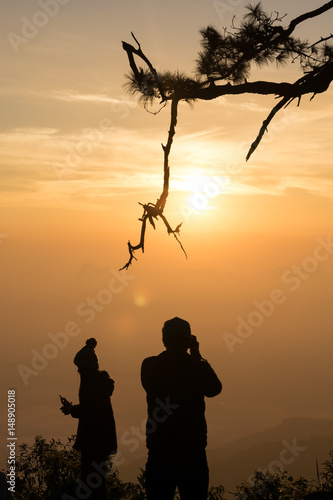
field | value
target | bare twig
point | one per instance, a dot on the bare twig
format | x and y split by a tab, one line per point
155	112
138	72
265	124
329	37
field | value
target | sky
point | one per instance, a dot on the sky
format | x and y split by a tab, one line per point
79	154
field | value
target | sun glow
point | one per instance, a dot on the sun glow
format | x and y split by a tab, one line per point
202	188
142	296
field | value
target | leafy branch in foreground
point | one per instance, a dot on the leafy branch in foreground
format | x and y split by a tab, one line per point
222	68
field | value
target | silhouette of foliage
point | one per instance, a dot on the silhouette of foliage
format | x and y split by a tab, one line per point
222	68
216	493
278	486
46	470
327	474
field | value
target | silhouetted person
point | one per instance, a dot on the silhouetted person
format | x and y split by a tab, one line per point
176	383
96	433
5	494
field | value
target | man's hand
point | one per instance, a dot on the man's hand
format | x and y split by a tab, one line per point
194	348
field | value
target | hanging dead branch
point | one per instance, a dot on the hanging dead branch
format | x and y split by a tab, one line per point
152	211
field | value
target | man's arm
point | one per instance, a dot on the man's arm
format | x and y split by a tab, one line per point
212	384
146	373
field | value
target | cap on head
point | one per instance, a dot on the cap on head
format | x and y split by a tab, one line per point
86	358
176	334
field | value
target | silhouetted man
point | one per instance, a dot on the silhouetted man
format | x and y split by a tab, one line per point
96	434
176	383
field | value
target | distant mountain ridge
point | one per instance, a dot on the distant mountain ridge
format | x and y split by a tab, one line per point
295	443
300	427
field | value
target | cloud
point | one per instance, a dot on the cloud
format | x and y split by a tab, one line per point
72	96
112	160
91	163
243	103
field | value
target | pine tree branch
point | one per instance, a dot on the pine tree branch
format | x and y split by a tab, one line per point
317	82
278	36
311	82
276	42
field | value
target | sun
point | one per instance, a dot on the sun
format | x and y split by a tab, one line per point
200	188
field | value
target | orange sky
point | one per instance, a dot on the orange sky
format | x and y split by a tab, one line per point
78	154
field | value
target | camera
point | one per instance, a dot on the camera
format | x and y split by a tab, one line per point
66	406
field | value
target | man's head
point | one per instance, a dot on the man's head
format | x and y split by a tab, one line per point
176	334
